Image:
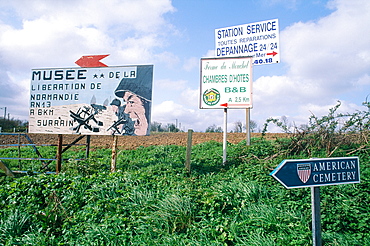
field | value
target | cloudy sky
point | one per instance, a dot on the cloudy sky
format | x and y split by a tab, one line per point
324	48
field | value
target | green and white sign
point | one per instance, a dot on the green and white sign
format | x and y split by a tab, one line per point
226	82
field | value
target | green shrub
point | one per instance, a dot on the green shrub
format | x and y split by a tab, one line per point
153	200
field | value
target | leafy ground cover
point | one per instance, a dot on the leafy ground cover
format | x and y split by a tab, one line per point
153	200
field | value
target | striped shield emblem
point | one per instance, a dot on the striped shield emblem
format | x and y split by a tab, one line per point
304	171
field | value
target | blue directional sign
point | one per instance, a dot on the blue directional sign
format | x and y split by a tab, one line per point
317	172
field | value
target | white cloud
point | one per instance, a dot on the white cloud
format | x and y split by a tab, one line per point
332	50
363	80
282	92
61	29
170	84
44	33
191	63
169	59
326	60
190	97
210	53
112	15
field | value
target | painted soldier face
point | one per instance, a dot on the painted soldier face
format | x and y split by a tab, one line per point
135	109
115	109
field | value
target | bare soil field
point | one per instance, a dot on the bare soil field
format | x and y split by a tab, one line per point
132	142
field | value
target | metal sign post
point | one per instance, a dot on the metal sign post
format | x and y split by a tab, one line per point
224	145
247	125
316	217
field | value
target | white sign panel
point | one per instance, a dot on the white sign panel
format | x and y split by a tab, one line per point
259	39
226	82
91	101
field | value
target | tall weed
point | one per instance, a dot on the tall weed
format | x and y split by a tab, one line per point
13	225
175	213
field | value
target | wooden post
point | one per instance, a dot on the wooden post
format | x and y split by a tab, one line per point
188	150
88	138
19	152
59	154
114	155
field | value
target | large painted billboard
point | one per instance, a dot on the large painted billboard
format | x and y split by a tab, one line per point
91	101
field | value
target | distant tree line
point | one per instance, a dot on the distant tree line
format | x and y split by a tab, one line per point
170	127
238	126
11	125
214	128
159	127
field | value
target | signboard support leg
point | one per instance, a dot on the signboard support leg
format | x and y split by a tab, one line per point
224	156
316	218
88	138
59	154
114	155
247	126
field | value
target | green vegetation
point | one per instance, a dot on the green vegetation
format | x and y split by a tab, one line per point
152	200
158	127
214	128
12	125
